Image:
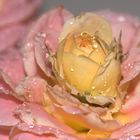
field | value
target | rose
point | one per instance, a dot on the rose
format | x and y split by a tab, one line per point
47	106
87	59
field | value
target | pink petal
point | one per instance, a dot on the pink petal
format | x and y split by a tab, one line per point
4	134
136	41
70	108
37	132
131	66
4	137
47	29
35	114
11	63
8	104
42	58
132	103
125	23
30	136
10	35
32	89
14	11
128	132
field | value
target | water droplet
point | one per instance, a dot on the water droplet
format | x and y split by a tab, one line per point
133	137
71	22
18	110
31	126
28	95
73	112
95	45
47	55
28	111
43	47
130	66
24	104
43	35
1	89
29	44
127	97
93	87
50	128
72	70
57	132
39	127
19	126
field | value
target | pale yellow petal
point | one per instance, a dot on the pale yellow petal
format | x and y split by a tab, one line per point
98	55
79	70
106	83
59	57
89	23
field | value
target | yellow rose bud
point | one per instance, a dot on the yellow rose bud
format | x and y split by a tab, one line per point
87	58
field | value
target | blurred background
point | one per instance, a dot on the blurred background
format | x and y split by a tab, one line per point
77	6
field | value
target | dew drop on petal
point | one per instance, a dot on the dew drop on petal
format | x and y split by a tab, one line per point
47	55
130	66
18	110
39	127
57	132
50	128
71	23
28	111
31	126
72	70
47	42
43	35
43	47
133	137
127	97
29	44
24	104
93	87
29	95
95	45
1	89
94	97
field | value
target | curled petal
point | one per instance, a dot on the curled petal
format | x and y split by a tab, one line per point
9	104
74	111
32	89
131	66
4	134
124	23
36	132
6	85
129	131
11	63
35	114
46	29
132	103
